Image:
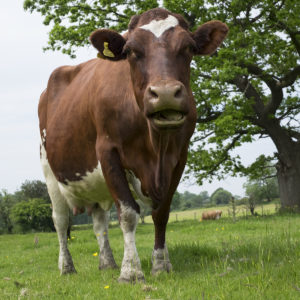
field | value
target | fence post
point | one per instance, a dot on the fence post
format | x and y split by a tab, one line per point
176	218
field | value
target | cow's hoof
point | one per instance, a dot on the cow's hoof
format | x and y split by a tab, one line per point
161	266
132	278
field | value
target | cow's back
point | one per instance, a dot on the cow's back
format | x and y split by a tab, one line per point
73	111
69	110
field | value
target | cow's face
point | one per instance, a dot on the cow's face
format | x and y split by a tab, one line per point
159	49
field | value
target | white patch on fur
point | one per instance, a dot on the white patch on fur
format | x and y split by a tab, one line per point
90	189
135	183
160	26
44	135
160	260
161	254
131	265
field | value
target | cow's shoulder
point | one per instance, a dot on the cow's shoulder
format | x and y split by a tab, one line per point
62	77
68	73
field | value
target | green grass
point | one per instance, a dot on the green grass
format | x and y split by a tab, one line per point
254	258
196	214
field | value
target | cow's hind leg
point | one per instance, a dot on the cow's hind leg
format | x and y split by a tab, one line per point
60	215
100	221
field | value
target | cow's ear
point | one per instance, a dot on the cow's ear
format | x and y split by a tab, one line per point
209	37
109	44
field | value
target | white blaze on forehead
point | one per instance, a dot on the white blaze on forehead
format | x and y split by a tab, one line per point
160	26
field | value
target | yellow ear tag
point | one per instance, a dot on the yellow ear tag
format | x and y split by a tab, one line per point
106	51
99	55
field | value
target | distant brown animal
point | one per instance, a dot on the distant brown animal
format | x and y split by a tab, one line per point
211	215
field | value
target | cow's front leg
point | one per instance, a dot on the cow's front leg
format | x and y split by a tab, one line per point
160	255
100	221
131	266
128	211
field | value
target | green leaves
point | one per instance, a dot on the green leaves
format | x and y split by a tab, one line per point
33	214
73	21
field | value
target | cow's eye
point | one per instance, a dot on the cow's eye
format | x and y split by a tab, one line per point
187	50
135	54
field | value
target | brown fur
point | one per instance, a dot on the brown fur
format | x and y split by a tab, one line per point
211	215
98	111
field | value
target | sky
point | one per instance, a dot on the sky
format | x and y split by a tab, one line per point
24	72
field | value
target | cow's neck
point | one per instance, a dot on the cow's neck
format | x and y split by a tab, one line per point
161	180
163	166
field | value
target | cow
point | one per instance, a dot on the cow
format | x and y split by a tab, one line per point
122	122
211	215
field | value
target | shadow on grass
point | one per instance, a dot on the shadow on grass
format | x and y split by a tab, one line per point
271	249
191	257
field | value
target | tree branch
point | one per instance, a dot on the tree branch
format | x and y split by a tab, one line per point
209	118
275	88
290	32
293	133
82	7
244	85
290	77
225	157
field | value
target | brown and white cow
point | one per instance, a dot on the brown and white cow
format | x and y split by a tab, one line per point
120	123
211	215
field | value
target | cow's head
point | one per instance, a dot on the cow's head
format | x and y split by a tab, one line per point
218	214
159	48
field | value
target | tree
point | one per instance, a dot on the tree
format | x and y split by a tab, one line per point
255	195
175	205
33	214
6	203
248	90
205	196
220	196
31	189
244	92
258	190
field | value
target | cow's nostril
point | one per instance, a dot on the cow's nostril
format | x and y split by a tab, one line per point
178	93
153	93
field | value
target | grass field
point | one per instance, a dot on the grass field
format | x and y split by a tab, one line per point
253	258
195	214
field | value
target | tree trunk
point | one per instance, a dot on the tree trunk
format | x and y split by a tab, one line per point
289	184
288	166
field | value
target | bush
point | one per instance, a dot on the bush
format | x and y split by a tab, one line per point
34	214
220	196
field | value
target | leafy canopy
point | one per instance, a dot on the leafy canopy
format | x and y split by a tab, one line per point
73	21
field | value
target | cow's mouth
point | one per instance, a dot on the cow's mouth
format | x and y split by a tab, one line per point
168	118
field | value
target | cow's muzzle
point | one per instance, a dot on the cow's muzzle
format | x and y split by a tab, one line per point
166	104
